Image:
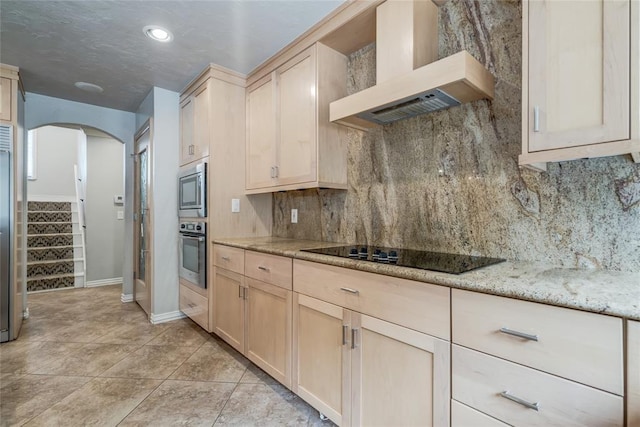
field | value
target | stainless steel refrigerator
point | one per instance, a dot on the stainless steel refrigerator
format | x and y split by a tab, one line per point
6	231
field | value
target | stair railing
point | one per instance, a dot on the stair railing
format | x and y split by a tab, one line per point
80	199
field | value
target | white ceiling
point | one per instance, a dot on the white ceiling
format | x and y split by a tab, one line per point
56	43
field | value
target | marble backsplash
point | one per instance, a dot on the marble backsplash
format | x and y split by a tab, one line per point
449	181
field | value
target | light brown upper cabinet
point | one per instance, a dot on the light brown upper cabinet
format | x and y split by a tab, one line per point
290	142
580	80
5	99
194	125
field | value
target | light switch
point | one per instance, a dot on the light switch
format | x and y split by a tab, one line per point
294	216
120	215
235	205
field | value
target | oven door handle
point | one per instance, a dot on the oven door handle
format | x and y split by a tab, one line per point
198	238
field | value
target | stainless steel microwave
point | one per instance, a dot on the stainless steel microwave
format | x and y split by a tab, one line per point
192	191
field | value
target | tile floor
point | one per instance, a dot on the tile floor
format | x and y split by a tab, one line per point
84	358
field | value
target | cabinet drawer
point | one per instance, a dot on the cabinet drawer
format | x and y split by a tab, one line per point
268	268
479	380
195	306
229	258
416	305
464	416
581	346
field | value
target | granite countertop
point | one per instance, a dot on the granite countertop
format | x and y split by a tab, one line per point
601	291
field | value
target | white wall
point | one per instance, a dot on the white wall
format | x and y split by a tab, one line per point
43	110
105	232
56	155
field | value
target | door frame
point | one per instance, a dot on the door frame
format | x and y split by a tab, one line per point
139	146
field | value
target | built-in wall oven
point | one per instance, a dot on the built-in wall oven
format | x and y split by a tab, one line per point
192	191
193	253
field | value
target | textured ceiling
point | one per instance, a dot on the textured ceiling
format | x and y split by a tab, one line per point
56	43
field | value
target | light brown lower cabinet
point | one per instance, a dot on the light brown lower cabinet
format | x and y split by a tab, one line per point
255	317
268	334
229	307
360	370
522	396
464	416
633	373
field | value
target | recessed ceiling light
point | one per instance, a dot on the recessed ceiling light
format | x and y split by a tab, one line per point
89	87
158	33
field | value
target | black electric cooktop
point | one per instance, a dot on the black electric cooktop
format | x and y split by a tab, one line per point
436	261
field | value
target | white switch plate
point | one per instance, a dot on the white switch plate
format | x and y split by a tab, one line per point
120	215
235	205
294	216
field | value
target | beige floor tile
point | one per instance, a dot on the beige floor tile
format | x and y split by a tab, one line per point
213	362
255	375
82	331
88	360
101	402
30	357
151	362
134	334
190	335
265	405
185	403
7	378
32	394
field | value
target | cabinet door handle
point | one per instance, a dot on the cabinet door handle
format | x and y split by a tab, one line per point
277	169
191	305
350	290
226	258
353	338
536	119
263	268
507	395
244	293
240	291
273	172
344	334
519	334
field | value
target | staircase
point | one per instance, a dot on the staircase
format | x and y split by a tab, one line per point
55	252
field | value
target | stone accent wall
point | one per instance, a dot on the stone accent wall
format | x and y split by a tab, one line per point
449	181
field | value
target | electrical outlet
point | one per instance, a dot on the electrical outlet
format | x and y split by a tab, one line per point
235	205
120	215
294	216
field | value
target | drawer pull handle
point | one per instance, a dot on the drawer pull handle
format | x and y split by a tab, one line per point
263	268
353	338
226	258
344	334
351	291
519	334
507	395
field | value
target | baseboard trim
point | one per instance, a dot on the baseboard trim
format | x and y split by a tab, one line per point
166	317
126	297
53	198
104	282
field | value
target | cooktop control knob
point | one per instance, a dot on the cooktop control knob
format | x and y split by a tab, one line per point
198	227
183	226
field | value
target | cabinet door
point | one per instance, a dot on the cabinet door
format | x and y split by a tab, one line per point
229	307
186	130
201	122
297	120
578	72
399	376
261	136
322	357
633	373
5	99
269	329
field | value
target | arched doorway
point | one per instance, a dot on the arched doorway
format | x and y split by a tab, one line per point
75	229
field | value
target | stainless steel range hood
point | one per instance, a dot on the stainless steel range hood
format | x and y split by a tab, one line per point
410	81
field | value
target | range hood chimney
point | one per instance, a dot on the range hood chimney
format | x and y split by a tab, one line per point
410	80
